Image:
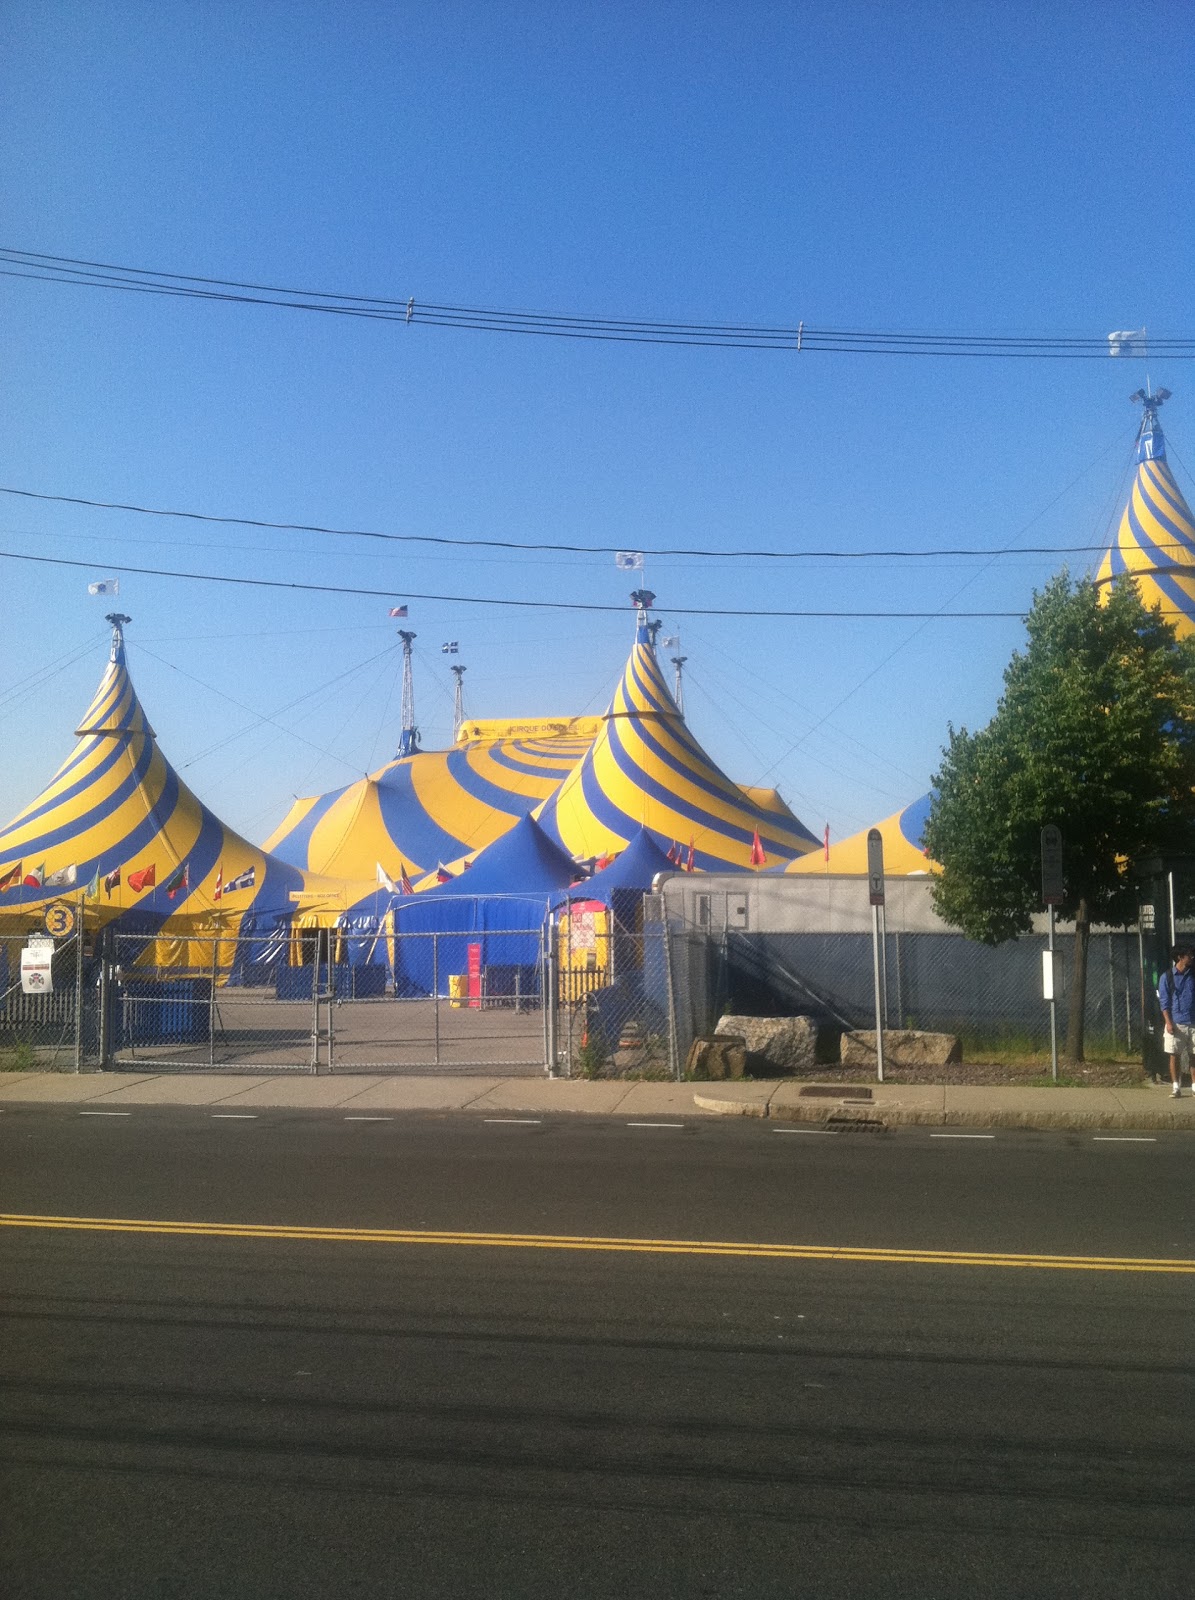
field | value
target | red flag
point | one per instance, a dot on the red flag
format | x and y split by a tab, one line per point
757	856
674	853
219	889
12	878
690	861
34	878
146	878
827	841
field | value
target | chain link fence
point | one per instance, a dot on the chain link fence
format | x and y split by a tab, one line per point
939	981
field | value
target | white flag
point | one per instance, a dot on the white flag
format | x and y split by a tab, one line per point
628	560
1127	342
671	642
385	881
61	878
105	586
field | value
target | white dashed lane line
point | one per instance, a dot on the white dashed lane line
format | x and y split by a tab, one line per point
517	1122
369	1119
962	1135
655	1124
105	1113
234	1116
825	1133
1123	1138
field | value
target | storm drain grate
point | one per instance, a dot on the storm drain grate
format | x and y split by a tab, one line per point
821	1092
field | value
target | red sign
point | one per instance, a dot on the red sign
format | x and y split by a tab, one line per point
474	965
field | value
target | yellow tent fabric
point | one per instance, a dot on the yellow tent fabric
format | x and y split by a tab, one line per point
420	810
647	770
903	853
117	816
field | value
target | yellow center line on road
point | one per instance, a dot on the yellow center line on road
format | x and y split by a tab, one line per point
541	1241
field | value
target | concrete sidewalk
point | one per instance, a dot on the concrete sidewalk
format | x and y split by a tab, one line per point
1145	1107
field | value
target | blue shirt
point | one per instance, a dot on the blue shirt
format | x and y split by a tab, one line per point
1176	994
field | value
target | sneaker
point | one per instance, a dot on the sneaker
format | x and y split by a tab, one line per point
1175	1091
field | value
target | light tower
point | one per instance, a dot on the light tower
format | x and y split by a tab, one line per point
118	620
458	702
678	693
1150	402
408	739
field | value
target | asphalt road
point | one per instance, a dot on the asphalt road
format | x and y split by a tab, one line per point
193	1414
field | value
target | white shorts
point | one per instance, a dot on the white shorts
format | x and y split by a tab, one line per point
1179	1043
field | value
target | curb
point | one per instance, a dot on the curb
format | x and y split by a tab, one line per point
883	1114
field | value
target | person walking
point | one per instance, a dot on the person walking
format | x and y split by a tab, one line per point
1176	996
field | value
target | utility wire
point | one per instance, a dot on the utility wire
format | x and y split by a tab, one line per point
489	600
559	547
743	336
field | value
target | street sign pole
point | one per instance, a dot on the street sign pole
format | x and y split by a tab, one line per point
1053	892
875	887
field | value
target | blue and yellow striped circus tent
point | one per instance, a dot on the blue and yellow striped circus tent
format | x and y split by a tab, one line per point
437	805
117	825
904	852
1155	543
646	769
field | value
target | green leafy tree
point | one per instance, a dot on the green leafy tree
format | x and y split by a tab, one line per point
1095	732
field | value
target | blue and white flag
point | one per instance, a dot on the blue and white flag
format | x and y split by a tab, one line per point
246	880
450	648
104	586
628	560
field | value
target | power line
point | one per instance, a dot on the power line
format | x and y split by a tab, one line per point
797	339
490	600
559	547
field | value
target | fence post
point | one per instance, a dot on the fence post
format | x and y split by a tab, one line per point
550	1003
79	988
211	1003
673	1044
314	1010
436	992
104	993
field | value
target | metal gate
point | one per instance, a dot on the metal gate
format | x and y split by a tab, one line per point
409	1003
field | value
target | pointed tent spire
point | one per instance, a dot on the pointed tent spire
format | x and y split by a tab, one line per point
647	769
1155	543
115	708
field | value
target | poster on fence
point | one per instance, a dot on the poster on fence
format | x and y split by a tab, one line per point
37	963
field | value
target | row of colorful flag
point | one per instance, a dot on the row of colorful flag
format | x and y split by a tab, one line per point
140	879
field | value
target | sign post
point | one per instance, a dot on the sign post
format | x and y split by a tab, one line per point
1053	892
875	890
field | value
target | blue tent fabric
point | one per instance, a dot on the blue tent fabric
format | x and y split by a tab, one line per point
633	868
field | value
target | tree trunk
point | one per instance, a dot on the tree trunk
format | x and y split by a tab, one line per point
1077	1007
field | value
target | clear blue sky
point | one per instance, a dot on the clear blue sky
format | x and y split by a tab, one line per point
1011	169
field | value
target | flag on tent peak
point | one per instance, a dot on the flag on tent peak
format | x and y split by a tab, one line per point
105	586
143	878
398	611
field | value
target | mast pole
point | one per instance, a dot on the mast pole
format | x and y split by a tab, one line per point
408	743
458	702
